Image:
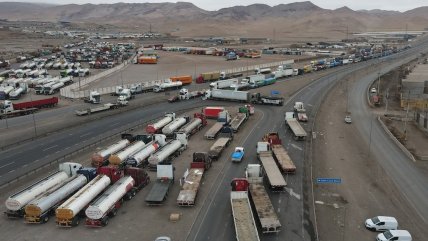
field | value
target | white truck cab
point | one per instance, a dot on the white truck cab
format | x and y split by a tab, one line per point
381	223
395	235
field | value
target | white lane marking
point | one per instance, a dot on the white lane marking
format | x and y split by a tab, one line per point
87	134
296	147
50	147
37	160
319	202
5	165
11	171
292	193
115	124
25	165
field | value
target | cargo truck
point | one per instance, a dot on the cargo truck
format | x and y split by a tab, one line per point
140	158
212	112
192	179
185	79
167	86
281	72
267	217
107	205
297	130
160	188
279	153
158	125
198	122
243	218
169	129
274	176
243	96
208	76
223	84
168	152
225	137
15	204
40	209
68	213
9	109
238	120
212	133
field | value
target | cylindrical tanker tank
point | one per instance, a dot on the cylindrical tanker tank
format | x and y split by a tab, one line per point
191	126
120	157
101	156
20	199
164	153
66	212
112	195
39	206
173	126
139	157
155	127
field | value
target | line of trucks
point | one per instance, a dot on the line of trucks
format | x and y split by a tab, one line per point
250	202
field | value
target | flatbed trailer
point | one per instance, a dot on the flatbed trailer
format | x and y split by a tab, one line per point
160	189
89	111
212	133
283	159
245	226
267	217
217	148
275	178
189	190
298	132
237	121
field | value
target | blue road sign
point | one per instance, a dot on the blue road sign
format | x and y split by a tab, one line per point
274	92
329	180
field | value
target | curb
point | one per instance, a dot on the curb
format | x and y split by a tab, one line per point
398	143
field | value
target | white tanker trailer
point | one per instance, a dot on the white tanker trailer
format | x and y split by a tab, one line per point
39	210
100	157
169	151
123	155
157	126
174	125
67	214
15	204
107	204
139	158
195	125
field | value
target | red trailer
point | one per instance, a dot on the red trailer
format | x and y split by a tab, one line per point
50	102
212	112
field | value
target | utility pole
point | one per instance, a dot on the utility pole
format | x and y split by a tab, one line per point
378	83
407	114
386	97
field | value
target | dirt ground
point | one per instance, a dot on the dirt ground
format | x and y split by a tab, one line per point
365	191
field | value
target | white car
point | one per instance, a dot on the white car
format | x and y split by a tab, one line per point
163	238
381	223
348	119
373	90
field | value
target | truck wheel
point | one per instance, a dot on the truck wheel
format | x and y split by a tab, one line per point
75	221
105	221
114	212
45	219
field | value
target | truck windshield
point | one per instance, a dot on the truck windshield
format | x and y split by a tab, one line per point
375	220
387	235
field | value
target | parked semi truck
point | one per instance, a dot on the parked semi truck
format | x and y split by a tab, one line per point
101	158
281	72
193	178
279	153
169	129
297	130
107	205
40	209
167	86
140	158
9	109
158	125
15	204
243	96
266	214
67	214
160	189
274	176
225	137
243	218
212	112
222	84
168	152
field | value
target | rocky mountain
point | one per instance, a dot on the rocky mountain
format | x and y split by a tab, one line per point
256	20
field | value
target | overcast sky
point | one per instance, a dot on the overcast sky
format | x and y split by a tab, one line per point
399	5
